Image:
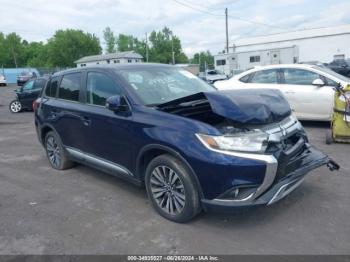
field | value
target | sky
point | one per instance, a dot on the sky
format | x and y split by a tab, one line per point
200	24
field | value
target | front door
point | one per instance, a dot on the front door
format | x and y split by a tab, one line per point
27	94
275	57
307	101
108	135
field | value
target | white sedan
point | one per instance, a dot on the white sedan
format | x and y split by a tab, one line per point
2	80
308	88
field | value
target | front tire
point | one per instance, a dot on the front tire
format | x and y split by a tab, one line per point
329	137
15	106
56	153
171	189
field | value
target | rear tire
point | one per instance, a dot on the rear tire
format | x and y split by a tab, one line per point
329	137
171	189
15	106
55	152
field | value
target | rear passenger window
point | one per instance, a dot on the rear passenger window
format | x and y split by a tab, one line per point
70	87
99	88
265	77
51	88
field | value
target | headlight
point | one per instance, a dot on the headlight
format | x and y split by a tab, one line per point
254	142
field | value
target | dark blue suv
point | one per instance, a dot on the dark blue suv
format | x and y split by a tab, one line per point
190	145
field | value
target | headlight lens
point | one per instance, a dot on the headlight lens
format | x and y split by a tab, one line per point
255	141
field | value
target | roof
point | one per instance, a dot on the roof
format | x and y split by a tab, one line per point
126	54
294	35
114	67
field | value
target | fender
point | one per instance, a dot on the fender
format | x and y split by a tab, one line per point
172	152
41	128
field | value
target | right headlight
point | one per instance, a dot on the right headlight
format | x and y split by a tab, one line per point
252	142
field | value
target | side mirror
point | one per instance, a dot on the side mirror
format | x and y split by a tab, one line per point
117	104
318	82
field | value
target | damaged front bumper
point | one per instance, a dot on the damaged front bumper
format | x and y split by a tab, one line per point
269	193
285	168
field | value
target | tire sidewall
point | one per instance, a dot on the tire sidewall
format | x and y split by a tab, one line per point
192	206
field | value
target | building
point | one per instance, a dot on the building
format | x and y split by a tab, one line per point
319	44
192	68
114	58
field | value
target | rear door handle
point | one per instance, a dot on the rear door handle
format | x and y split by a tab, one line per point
86	121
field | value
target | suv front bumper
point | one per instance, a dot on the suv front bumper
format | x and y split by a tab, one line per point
279	187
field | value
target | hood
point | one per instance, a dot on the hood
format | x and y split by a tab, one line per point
249	106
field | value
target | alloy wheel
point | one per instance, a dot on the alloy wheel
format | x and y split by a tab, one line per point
53	151
167	190
15	106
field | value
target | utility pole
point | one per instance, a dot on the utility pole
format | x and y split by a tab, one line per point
146	48
226	31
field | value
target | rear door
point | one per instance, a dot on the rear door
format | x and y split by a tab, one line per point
308	102
65	111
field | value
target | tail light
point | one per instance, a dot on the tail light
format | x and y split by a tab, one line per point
36	104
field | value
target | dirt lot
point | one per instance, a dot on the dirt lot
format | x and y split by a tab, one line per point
83	211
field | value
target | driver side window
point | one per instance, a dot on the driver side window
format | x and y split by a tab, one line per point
99	88
28	85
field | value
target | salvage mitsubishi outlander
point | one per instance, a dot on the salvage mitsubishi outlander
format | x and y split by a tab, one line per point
194	148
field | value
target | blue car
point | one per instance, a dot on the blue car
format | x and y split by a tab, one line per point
193	148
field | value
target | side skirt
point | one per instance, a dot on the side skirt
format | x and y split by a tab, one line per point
102	165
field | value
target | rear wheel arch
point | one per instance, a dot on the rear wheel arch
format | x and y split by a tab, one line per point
149	152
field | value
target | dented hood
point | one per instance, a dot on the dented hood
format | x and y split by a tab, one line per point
248	106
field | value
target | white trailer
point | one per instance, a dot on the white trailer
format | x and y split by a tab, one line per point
320	44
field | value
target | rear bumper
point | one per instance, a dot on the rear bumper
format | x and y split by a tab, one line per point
278	189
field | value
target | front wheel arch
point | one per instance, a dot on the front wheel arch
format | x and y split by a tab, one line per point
149	152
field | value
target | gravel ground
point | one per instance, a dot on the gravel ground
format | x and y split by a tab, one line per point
83	211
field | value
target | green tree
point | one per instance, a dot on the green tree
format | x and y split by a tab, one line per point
66	46
12	49
203	58
36	55
163	43
110	40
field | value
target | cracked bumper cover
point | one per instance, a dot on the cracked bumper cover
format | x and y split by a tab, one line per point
279	188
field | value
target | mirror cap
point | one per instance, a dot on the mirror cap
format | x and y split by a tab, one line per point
318	82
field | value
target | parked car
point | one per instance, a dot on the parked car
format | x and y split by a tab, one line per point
340	66
211	76
192	146
26	95
2	80
308	88
24	76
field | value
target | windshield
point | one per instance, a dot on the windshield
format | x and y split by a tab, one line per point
332	73
155	86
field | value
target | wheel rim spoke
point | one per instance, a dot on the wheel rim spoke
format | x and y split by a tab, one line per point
53	151
167	190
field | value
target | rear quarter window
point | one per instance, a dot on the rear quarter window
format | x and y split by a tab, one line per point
245	79
51	87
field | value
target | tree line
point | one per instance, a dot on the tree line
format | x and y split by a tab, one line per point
67	46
